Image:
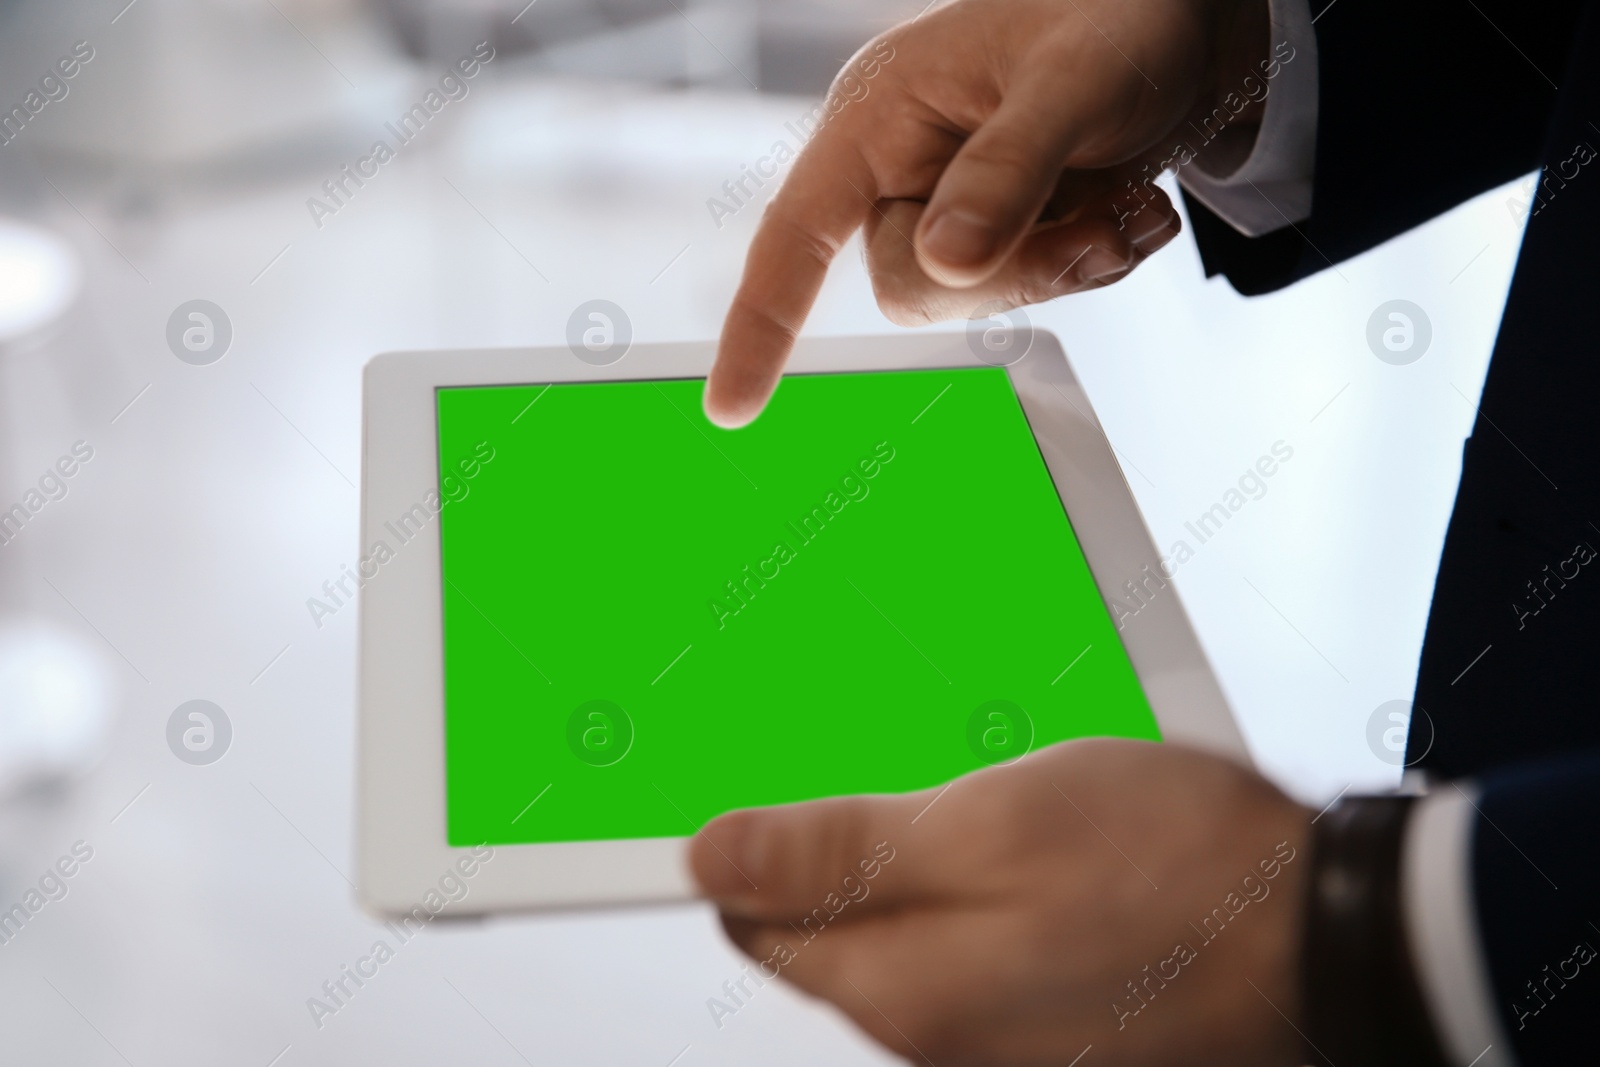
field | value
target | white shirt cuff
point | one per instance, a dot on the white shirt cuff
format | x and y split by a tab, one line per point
1441	919
1271	189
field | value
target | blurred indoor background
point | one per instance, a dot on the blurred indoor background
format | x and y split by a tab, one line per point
178	163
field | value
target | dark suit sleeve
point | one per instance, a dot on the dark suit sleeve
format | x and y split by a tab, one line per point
1536	879
1422	105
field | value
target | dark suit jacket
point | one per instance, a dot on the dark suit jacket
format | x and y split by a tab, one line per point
1422	106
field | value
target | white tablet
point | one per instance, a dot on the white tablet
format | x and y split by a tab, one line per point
591	620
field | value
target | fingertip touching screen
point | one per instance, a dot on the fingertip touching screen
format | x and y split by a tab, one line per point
649	621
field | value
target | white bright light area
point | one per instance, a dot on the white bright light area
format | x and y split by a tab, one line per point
38	278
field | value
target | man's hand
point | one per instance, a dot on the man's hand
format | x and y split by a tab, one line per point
984	158
1144	899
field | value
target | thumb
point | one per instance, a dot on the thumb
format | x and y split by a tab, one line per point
774	863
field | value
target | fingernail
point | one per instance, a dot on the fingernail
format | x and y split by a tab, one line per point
726	413
959	239
1098	264
1147	228
738	852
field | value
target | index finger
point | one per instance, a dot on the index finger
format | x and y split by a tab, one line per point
827	196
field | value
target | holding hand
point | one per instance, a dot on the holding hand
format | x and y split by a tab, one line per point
1119	894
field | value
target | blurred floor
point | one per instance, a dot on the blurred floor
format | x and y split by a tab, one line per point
221	497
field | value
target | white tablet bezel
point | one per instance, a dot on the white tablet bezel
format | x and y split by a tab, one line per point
403	850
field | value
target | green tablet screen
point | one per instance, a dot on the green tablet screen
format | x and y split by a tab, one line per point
649	621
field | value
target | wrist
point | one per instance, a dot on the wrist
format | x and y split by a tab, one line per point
1256	1009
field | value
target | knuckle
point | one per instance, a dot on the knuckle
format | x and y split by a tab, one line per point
761	318
997	824
799	238
1157	241
833	842
1039	289
903	299
907	314
999	158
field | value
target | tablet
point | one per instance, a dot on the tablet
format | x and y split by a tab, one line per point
591	620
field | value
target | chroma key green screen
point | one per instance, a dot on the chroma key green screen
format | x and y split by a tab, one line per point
649	621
